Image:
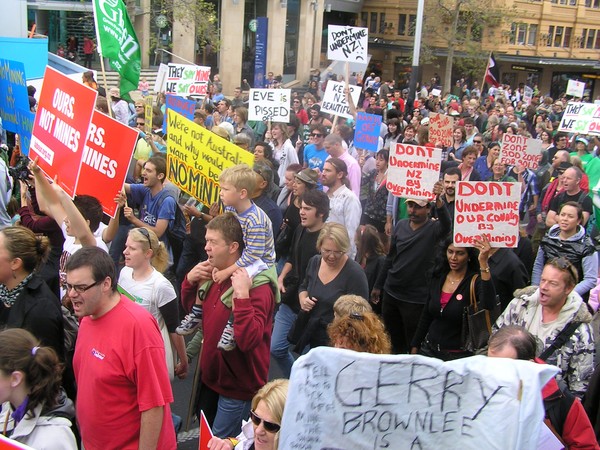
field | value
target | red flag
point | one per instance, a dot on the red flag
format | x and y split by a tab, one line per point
205	432
492	73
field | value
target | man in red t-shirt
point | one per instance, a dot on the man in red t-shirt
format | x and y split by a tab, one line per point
119	363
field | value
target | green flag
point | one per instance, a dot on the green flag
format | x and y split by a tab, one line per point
117	42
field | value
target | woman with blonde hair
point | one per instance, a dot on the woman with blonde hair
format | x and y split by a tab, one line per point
261	432
141	281
35	410
329	275
284	151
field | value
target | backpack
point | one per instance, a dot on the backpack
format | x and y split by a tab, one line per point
176	231
71	328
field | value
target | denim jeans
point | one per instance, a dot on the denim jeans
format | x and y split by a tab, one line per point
230	413
284	320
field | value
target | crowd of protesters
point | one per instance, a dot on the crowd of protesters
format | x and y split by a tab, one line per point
307	248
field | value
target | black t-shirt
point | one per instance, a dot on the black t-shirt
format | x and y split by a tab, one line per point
581	197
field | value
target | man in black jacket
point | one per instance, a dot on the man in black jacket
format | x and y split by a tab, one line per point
407	267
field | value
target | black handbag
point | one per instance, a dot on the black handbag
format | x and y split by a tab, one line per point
477	322
283	241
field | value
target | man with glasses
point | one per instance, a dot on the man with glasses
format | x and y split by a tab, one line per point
560	143
119	355
559	319
315	153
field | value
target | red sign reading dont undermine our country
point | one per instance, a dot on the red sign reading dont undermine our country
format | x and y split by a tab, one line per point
490	208
106	156
60	128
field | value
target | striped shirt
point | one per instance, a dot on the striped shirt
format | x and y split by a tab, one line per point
258	237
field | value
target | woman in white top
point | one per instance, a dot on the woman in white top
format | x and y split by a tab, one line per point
284	151
141	280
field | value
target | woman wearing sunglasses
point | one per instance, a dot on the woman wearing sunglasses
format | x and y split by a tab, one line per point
141	280
262	431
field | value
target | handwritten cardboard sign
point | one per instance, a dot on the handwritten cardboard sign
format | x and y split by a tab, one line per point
334	99
161	78
366	134
413	170
347	43
61	126
575	88
196	157
489	208
582	118
521	150
13	88
25	119
106	157
148	113
441	127
339	399
527	95
180	105
187	79
269	104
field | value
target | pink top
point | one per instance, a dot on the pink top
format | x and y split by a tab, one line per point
445	298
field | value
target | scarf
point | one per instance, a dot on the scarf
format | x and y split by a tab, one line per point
8	297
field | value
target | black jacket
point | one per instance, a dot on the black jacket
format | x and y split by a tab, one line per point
444	328
38	311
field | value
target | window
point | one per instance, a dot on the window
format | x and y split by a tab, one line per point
572	2
401	24
583	35
550	36
521	33
532	38
596	4
590	39
558	36
597	46
364	18
476	32
373	24
412	24
382	23
513	33
567	39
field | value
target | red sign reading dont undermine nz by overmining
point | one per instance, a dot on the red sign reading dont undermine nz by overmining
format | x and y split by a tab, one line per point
60	128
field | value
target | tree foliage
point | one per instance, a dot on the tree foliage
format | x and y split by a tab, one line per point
463	27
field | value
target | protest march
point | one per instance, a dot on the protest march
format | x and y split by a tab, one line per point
339	264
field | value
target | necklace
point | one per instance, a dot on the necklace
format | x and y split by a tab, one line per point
454	281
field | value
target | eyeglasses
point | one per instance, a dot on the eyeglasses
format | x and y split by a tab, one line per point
81	288
563	263
335	253
140	124
269	426
144	232
316	135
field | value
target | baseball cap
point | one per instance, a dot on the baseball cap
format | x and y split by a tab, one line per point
419	201
582	139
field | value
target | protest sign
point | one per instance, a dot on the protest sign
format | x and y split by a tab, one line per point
490	208
436	92
161	78
148	113
13	89
334	99
347	43
106	157
366	134
413	170
575	88
527	95
60	128
187	79
25	119
582	118
269	104
521	150
441	128
196	157
180	105
339	399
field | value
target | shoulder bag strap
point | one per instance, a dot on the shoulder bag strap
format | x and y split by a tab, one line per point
472	294
560	340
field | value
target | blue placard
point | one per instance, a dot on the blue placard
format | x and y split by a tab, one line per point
260	56
13	89
366	134
25	119
180	105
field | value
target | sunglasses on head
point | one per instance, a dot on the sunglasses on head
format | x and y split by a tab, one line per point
269	426
563	263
